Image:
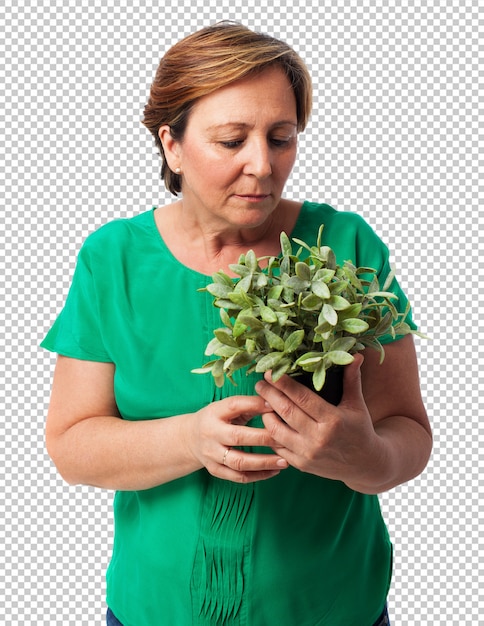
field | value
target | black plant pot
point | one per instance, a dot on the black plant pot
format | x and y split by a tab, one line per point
332	390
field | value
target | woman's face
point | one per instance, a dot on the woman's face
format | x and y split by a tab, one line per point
238	150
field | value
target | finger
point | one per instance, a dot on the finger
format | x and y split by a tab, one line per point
242	467
285	437
226	473
243	436
242	408
353	391
293	402
241	461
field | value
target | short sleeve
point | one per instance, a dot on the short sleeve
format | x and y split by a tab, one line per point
354	240
77	332
373	252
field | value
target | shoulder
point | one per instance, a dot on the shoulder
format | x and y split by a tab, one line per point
336	223
116	235
348	233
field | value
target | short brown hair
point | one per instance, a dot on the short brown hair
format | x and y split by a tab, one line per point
210	59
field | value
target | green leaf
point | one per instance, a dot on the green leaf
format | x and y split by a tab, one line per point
329	314
310	358
285	265
283	319
249	320
312	303
274	341
218	374
224	316
224	337
239	328
206	368
364	270
328	256
239	360
323	327
382	294
298	285
339	303
343	343
261	281
219	290
268	361
349	271
320	235
389	280
338	287
274	292
251	261
352	311
294	340
212	345
286	246
240	298
222	278
384	324
324	274
303	244
240	270
321	289
225	351
268	315
339	357
250	346
244	283
319	377
354	325
226	304
303	271
280	369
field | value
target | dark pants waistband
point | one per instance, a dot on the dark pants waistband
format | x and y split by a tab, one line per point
383	620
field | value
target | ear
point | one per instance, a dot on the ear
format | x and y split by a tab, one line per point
171	147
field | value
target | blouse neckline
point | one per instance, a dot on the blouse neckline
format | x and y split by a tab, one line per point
189	269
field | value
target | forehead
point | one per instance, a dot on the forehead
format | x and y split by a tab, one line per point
265	97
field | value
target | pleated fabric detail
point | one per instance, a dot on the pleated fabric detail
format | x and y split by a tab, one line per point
221	564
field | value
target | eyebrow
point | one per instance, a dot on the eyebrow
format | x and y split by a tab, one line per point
243	125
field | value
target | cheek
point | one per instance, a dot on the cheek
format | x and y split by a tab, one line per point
222	171
286	164
204	169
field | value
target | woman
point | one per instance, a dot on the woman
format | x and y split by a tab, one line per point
208	533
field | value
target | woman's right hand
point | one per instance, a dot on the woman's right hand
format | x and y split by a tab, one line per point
219	428
91	445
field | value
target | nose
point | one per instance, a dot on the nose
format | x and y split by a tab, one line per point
258	159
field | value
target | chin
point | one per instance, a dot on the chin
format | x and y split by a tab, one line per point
253	219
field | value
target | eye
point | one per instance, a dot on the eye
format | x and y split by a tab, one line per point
232	144
280	142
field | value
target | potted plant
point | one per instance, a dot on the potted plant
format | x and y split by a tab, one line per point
298	314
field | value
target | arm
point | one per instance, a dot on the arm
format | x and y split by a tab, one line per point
90	443
377	437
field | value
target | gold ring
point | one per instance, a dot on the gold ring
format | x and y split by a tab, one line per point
225	456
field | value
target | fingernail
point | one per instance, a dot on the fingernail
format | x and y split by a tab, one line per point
282	463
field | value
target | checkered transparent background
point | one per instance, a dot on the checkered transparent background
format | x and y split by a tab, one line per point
396	136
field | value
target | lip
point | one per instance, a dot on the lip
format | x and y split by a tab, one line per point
253	197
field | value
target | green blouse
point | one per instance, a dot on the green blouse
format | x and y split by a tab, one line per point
295	550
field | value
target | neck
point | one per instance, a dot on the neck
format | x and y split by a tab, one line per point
210	245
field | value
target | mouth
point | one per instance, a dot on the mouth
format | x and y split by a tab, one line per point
253	197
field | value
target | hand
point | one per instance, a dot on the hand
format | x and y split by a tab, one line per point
337	442
219	427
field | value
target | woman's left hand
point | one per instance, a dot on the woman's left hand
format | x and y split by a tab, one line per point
376	438
337	442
